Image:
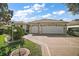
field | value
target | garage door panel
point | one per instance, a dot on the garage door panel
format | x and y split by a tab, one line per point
60	30
34	29
52	30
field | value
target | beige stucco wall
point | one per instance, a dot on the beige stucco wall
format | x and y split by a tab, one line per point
39	25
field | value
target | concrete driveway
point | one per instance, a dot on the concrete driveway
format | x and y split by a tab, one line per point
56	45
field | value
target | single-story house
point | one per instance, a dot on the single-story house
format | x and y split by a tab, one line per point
48	26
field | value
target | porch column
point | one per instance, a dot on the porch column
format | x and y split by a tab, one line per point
30	29
39	28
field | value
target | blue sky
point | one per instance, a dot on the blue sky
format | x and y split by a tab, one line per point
34	11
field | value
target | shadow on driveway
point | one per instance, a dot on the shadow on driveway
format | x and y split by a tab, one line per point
52	35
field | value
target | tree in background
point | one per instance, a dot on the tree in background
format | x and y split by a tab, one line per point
5	13
73	7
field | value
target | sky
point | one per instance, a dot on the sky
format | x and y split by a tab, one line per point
35	11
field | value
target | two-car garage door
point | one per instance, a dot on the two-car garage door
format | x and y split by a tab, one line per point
48	29
52	30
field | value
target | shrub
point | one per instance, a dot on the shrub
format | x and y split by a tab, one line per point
8	31
1	31
2	53
70	31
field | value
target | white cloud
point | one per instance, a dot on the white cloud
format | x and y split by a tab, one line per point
59	12
67	19
33	18
29	11
54	12
23	12
47	15
26	6
28	19
21	15
38	6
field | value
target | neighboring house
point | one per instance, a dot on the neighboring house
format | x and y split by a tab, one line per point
73	28
48	26
73	24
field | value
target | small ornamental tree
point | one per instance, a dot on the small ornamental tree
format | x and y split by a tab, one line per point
16	34
19	33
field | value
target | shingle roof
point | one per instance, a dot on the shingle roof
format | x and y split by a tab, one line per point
45	20
73	23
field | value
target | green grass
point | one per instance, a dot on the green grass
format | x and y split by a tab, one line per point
2	44
34	48
2	39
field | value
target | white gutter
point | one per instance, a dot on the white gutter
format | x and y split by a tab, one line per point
72	26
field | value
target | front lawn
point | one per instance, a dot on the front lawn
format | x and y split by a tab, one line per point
34	48
7	47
